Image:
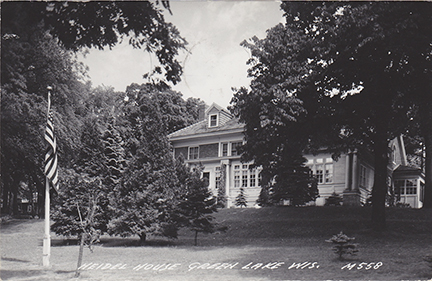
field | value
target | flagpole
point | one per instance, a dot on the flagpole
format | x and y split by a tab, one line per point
47	238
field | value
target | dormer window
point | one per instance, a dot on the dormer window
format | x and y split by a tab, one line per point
213	120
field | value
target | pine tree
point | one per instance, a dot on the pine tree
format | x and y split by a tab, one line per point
264	197
343	245
197	205
114	154
240	200
143	202
333	200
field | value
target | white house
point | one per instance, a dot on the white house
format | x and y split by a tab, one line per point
213	142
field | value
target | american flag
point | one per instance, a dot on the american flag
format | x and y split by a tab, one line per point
51	154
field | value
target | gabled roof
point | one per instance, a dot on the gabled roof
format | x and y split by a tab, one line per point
404	168
408	171
218	107
227	123
202	128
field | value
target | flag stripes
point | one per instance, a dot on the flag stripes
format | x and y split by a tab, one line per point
51	154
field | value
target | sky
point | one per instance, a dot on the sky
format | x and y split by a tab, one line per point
215	63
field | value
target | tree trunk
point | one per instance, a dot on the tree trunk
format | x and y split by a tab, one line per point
80	255
196	237
143	238
40	203
427	200
6	194
425	115
379	189
14	201
40	192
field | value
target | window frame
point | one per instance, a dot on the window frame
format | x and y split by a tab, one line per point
252	177
237	176
245	176
319	172
224	153
322	168
216	120
234	146
195	152
218	177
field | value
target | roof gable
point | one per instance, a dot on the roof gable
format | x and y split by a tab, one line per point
215	108
225	122
397	152
202	128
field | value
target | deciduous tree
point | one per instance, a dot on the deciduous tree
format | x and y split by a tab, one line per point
278	123
336	75
100	24
38	44
366	48
27	68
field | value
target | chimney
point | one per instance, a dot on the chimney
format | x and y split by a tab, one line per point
201	111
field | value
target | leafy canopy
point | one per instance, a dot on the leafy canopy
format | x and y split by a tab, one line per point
99	24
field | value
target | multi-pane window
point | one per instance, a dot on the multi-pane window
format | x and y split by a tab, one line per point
253	177
237	176
213	120
244	175
411	187
322	168
225	149
218	177
193	152
407	187
234	147
329	172
411	190
229	148
319	172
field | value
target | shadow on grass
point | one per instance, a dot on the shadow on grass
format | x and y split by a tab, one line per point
64	271
289	226
8	274
63	242
345	259
133	242
13	260
22	274
117	242
15	225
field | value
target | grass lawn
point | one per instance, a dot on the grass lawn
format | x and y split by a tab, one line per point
278	243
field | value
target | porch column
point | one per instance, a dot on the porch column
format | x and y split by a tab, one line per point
227	164
227	183
348	171
351	194
355	172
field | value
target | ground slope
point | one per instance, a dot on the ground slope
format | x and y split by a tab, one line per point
278	243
